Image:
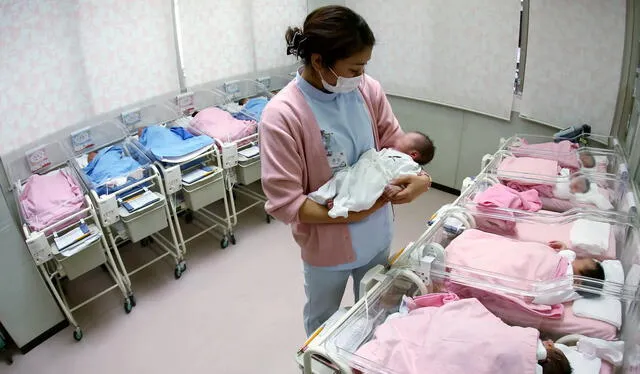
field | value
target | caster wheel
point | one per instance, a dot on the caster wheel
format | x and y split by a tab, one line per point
268	218
224	242
188	217
132	299
177	273
77	334
183	266
128	306
233	239
9	361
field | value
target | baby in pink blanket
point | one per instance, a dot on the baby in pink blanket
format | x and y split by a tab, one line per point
438	331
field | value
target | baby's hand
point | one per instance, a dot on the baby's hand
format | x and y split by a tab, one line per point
330	204
557	245
390	191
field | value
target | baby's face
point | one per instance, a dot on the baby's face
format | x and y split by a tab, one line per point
578	185
587	160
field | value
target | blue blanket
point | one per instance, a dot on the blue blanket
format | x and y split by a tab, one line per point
173	142
252	109
110	163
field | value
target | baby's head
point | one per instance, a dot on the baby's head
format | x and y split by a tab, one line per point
589	268
91	156
579	185
587	159
556	362
417	145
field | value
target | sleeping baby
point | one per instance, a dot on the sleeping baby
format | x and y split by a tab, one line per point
356	188
579	189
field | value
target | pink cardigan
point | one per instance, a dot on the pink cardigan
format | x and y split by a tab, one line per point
294	164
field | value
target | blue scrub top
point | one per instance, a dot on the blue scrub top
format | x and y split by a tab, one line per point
347	128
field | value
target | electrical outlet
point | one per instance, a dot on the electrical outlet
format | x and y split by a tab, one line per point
173	180
108	206
229	155
39	248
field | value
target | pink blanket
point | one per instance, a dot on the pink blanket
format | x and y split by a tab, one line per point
524	261
529	167
544	233
568	324
46	199
501	196
221	125
438	338
563	152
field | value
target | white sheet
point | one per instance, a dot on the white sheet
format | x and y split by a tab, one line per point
590	236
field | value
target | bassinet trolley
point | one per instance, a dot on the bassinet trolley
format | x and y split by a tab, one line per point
60	224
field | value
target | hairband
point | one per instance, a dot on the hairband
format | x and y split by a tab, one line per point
293	48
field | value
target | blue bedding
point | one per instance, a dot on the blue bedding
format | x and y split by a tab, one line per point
111	163
174	142
252	109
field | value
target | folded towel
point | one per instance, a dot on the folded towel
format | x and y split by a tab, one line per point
604	308
431	300
610	351
580	363
590	236
526	173
501	196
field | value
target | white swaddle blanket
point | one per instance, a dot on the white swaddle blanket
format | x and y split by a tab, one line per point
357	187
595	197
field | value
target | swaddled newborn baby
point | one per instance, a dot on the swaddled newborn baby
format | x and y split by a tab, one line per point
356	188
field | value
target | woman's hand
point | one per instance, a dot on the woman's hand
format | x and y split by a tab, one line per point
413	186
312	212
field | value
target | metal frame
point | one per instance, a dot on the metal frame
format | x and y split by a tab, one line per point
205	215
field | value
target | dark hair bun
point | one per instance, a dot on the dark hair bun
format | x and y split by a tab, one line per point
291	32
294	38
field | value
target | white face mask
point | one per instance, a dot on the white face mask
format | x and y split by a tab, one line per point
343	85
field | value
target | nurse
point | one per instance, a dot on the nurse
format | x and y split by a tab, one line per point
328	116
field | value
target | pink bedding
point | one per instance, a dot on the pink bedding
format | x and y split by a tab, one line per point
46	199
434	339
524	261
569	323
532	167
501	196
543	233
222	126
563	152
